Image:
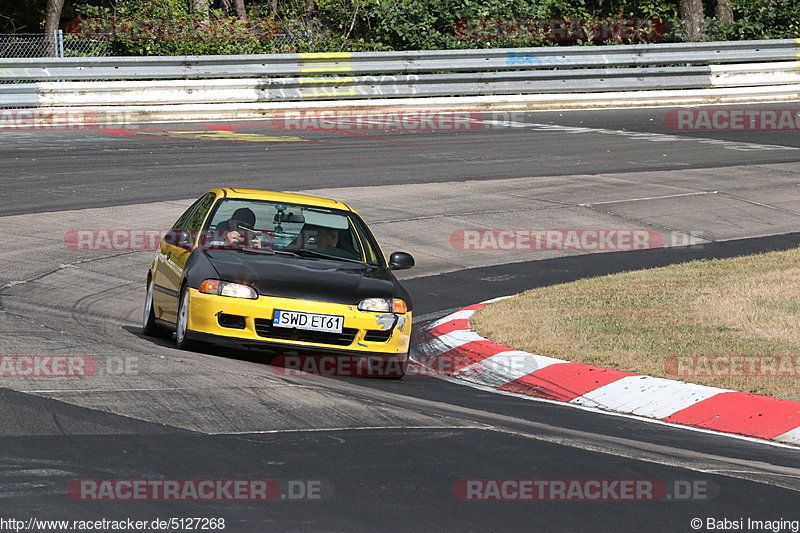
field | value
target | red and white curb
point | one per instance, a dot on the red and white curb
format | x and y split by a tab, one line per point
449	346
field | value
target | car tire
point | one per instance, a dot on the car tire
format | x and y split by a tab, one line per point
182	322
149	326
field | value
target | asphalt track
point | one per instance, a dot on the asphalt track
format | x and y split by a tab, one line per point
388	454
49	170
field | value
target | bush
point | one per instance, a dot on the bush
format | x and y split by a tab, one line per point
199	40
369	25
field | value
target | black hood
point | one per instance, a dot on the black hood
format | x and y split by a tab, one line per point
305	278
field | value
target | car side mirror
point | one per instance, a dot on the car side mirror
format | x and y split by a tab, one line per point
179	238
400	261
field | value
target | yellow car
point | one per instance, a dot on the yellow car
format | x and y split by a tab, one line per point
287	272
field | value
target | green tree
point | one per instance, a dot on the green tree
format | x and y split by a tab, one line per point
693	19
724	11
52	21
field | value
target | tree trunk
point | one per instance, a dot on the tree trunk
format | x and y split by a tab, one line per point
241	11
693	18
201	7
52	21
723	11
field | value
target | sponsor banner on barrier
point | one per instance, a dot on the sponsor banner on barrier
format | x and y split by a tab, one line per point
576	239
720	119
587	490
170	29
559	29
733	365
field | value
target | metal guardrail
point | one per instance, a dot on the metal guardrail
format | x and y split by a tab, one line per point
188	67
265	90
337	76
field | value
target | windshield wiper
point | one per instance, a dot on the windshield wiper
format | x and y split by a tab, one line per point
272	251
305	252
252	250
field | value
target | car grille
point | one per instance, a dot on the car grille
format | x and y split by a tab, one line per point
231	321
376	335
265	329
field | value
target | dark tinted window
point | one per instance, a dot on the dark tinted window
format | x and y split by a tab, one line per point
196	220
181	222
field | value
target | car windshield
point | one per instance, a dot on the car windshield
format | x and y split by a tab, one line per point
307	231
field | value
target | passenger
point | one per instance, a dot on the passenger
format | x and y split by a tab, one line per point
322	239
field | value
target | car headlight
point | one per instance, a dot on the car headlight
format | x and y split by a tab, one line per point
226	288
383	305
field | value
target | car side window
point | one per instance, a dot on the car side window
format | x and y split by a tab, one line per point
181	222
197	218
370	254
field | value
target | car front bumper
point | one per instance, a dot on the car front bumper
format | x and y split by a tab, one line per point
210	318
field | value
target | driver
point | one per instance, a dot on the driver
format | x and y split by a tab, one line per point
236	229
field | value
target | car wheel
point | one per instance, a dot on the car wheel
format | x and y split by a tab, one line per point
182	323
149	326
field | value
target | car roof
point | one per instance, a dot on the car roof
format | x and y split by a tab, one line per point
288	197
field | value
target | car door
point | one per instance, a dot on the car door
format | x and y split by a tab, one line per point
172	259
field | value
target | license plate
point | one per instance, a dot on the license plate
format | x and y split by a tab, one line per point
307	321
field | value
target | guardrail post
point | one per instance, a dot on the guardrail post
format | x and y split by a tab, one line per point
59	40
